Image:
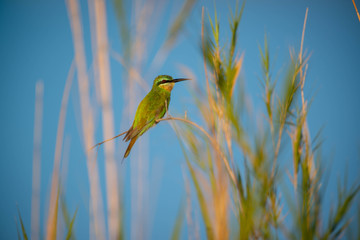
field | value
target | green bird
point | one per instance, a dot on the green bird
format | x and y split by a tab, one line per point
151	108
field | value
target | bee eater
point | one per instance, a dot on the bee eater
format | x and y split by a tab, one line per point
151	108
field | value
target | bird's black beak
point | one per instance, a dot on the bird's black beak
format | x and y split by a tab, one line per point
179	80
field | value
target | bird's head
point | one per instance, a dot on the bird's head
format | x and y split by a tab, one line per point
167	82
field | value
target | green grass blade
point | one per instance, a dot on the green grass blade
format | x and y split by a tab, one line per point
68	221
22	226
17	230
121	14
343	208
202	202
65	212
179	22
69	235
176	234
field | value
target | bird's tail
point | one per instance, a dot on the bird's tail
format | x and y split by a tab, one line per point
131	144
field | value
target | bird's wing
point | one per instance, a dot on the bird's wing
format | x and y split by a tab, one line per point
150	109
144	123
135	131
126	138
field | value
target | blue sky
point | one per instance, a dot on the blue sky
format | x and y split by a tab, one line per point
36	44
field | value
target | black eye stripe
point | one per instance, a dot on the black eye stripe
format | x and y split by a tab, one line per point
162	81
